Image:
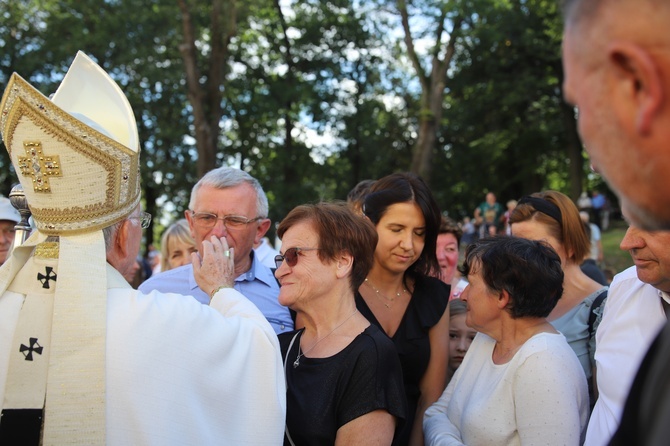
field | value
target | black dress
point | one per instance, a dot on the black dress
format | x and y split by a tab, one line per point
324	394
426	307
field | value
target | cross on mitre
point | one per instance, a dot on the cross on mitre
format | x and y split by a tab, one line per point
38	166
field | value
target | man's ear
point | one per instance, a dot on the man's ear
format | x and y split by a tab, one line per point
121	240
263	226
638	79
189	220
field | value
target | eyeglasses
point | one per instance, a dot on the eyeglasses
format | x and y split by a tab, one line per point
291	256
144	218
206	220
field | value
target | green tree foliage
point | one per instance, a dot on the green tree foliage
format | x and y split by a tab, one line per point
506	126
311	97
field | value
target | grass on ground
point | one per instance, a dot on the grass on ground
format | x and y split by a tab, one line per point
615	258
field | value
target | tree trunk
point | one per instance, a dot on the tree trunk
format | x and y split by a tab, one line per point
429	126
206	98
432	87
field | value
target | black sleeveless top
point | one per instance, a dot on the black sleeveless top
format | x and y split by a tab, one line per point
426	307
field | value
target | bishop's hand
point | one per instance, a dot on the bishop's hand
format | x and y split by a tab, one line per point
216	269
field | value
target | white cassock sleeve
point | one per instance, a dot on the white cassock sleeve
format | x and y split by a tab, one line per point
179	372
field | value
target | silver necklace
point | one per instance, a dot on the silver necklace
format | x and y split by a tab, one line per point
387	301
296	363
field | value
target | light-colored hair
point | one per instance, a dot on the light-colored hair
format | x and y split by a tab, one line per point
457	307
569	231
575	11
178	231
225	177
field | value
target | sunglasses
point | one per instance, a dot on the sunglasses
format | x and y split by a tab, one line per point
291	256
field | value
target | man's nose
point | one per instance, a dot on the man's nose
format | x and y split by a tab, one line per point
219	229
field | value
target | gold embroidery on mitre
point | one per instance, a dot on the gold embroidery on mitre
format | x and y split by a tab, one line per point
39	166
23	108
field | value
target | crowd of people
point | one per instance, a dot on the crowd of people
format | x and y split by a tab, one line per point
362	328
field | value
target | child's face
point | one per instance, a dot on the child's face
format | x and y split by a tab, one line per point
460	338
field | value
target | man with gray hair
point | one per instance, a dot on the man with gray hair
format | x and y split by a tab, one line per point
616	59
84	358
228	202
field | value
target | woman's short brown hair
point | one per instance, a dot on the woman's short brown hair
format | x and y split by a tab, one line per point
339	230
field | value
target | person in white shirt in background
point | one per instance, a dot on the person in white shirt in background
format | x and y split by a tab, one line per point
634	314
596	238
265	253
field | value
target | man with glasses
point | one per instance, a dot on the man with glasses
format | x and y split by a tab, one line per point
84	358
228	202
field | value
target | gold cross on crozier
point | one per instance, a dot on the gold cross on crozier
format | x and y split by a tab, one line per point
38	166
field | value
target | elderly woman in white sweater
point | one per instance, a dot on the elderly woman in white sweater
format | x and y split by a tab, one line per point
520	382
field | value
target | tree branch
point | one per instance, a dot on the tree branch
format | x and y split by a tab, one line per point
409	42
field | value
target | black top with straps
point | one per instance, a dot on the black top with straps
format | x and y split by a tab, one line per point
426	307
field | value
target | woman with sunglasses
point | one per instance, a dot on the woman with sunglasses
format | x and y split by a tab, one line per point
401	294
343	378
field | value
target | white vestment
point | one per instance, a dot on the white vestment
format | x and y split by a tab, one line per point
178	372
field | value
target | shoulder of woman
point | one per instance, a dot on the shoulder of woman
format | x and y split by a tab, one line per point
548	344
374	349
425	285
432	294
373	337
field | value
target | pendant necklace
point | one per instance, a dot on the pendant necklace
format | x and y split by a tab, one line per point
296	363
387	301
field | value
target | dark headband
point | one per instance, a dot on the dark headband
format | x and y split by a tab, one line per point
544	206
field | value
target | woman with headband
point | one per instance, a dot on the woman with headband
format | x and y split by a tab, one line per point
552	217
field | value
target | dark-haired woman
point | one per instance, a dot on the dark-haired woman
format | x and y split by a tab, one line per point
520	382
401	295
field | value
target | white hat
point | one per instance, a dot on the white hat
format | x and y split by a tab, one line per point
77	158
77	155
7	211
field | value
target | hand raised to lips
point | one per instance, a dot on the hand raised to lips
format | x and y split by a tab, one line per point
217	267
